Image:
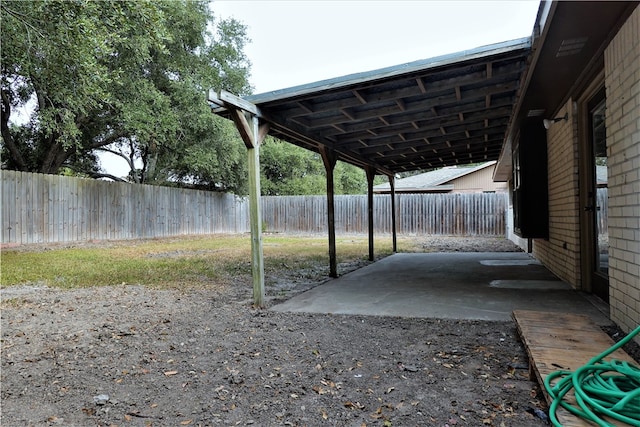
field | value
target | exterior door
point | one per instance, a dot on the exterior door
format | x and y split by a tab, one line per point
595	207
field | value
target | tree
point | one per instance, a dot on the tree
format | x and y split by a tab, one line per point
128	77
287	169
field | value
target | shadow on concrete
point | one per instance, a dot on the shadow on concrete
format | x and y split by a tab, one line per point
480	285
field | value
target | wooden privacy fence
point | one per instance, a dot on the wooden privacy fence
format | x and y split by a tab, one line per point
449	214
51	208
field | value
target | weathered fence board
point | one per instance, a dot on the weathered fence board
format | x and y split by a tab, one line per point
450	214
51	208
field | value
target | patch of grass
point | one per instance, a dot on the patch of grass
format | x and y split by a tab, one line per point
174	262
13	302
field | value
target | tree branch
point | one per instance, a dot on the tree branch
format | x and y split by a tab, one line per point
6	134
108	140
119	154
97	175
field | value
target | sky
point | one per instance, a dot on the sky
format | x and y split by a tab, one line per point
299	42
304	41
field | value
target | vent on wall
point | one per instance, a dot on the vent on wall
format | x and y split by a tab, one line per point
572	46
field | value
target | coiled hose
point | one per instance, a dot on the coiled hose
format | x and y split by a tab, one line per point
601	388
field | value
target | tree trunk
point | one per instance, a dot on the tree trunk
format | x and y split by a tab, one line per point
151	163
16	155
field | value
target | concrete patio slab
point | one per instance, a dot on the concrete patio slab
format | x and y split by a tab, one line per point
481	285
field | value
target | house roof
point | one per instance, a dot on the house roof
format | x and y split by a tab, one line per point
435	180
443	111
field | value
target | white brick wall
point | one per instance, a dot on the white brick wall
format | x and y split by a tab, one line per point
561	252
622	80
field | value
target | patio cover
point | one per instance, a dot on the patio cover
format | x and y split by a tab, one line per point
449	110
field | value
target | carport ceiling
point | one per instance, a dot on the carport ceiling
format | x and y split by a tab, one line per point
444	111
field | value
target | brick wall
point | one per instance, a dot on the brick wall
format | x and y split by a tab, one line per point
622	80
561	252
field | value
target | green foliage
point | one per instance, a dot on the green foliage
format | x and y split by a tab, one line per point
287	169
128	77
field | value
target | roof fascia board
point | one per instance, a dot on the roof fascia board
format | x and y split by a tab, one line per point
410	67
431	189
226	99
544	11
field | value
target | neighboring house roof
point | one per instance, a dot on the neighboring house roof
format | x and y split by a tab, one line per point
438	180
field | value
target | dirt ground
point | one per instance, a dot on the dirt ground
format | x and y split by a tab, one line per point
131	356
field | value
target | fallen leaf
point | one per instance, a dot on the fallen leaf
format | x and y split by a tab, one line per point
324	415
318	389
377	414
353	405
186	422
127	417
169	373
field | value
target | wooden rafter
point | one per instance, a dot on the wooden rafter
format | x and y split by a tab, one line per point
445	105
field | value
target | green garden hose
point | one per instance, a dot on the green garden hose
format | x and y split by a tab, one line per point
601	388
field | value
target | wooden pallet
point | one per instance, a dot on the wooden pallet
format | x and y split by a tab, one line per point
560	341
